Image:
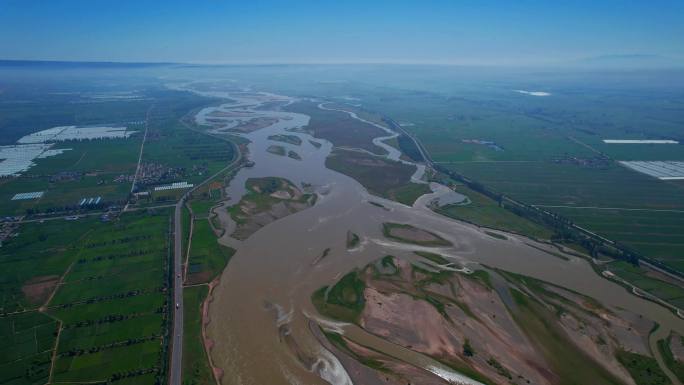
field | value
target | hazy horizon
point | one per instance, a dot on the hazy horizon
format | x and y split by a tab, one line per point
490	33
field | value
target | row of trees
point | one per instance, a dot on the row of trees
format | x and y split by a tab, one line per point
134	253
134	373
74	208
116	241
95	349
92	300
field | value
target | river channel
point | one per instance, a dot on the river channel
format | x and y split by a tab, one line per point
261	311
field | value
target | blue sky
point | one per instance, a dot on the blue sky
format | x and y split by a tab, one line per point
515	32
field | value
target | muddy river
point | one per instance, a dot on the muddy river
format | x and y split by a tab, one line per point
261	312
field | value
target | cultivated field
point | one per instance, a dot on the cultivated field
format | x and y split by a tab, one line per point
42	108
645	215
658	234
207	257
113	303
105	167
85	300
542	183
100	290
89	169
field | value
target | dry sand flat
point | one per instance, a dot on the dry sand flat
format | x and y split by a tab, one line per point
37	289
397	309
396	372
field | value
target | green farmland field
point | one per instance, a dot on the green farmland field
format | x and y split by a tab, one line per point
112	302
639	277
97	164
101	285
619	204
27	340
544	183
207	257
659	234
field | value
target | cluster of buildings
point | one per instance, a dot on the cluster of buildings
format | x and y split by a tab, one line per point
64	176
123	178
173	186
28	195
152	173
90	201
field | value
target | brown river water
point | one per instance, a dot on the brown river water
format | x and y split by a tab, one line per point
261	311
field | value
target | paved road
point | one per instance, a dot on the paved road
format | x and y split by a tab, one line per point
398	128
87	214
142	146
610	208
176	364
177	339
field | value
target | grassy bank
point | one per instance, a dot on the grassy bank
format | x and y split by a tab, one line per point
483	211
273	196
410	234
343	301
196	370
338	127
207	257
291	139
675	365
381	177
641	278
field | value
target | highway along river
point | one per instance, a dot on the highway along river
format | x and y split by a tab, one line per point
261	315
